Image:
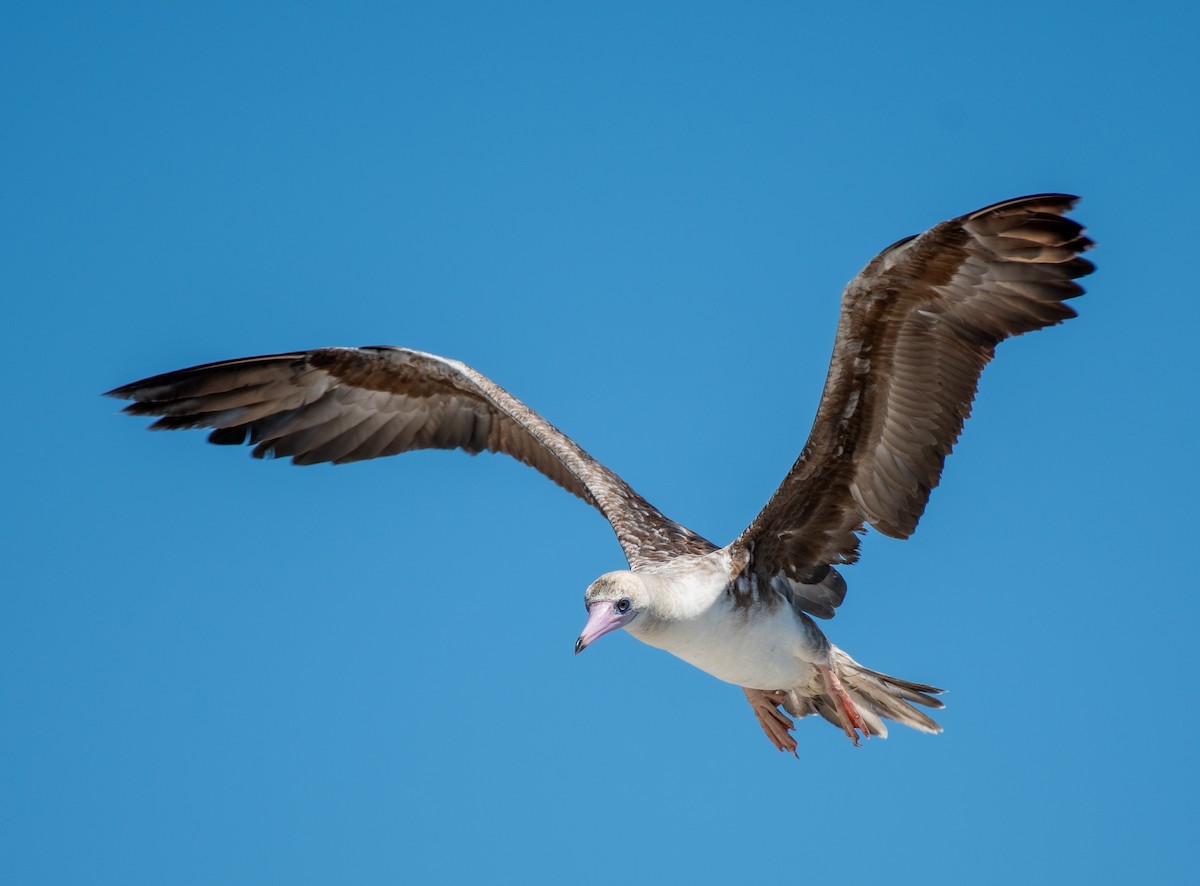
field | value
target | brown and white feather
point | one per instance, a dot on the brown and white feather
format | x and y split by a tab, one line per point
917	326
348	404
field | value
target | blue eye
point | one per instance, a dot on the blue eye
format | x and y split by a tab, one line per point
623	605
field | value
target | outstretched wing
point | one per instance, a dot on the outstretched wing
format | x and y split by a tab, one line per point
917	326
348	404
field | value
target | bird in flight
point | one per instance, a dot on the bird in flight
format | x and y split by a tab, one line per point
916	328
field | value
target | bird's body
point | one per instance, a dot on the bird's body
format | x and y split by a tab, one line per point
917	326
699	608
701	619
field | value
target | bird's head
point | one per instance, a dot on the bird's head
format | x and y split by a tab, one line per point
613	601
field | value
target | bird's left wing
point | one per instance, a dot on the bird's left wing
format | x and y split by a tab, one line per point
348	404
917	326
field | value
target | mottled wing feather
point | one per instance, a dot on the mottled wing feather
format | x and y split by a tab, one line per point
348	404
917	326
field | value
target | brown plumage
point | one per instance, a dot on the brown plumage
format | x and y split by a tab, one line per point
348	404
917	326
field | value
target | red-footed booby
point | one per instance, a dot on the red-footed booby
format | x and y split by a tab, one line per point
917	326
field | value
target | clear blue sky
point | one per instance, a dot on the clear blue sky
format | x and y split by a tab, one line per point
638	218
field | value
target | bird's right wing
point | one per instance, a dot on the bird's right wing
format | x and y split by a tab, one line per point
348	404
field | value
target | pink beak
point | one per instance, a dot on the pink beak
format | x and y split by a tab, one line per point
603	618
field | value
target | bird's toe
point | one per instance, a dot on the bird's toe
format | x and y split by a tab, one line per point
774	722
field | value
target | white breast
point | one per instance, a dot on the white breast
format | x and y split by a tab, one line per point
758	647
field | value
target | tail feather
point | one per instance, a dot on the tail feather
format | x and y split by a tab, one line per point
878	697
888	696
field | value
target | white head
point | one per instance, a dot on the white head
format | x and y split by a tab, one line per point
613	601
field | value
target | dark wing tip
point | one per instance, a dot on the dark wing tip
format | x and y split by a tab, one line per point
1053	203
234	436
1039	219
153	386
1081	267
136	390
167	384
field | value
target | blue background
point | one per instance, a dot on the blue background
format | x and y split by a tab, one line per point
638	218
